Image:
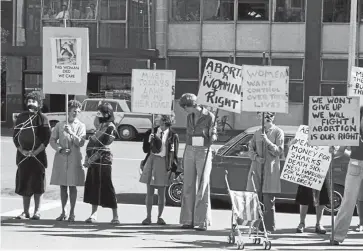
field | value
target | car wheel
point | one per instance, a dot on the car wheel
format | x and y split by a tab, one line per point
126	132
174	194
52	123
337	198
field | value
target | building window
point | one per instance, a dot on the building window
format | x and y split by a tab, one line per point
336	11
183	86
295	66
340	89
186	67
32	22
3	96
253	10
119	86
185	10
113	9
289	11
112	35
138	25
71	9
296	92
249	61
334	69
218	10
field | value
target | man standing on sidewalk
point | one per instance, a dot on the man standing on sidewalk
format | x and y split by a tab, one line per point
265	150
197	161
353	192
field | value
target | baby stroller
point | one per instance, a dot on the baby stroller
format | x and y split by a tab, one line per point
246	210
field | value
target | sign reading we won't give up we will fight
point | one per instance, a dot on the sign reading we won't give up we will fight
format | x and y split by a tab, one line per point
334	121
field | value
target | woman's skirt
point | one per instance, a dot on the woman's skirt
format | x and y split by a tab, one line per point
30	176
309	196
98	189
155	173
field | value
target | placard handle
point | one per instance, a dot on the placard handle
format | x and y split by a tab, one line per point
332	189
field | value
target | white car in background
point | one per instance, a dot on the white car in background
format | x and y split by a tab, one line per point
128	124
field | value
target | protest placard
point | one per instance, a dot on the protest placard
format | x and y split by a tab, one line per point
355	86
65	60
334	121
265	88
221	86
152	91
306	165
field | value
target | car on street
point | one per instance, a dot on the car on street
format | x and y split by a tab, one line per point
129	124
233	157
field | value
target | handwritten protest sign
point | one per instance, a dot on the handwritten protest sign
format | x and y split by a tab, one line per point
355	86
152	91
221	86
65	60
334	121
265	88
306	165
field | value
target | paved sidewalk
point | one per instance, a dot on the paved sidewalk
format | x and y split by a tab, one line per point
49	234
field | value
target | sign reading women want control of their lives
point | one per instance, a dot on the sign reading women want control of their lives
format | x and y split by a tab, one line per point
334	121
221	86
65	60
152	91
355	86
265	88
305	164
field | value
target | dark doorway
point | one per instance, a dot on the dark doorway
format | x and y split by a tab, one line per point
93	83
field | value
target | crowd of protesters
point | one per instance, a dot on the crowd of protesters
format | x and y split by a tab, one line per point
159	169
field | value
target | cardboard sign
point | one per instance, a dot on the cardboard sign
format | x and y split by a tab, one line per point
355	86
306	165
152	91
65	60
265	88
334	121
221	86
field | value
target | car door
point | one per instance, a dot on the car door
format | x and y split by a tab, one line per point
88	114
288	189
119	113
236	161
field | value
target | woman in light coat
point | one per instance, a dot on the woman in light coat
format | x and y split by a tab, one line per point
67	140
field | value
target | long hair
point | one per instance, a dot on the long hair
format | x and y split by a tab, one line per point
106	110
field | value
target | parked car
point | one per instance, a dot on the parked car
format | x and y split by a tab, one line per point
233	157
129	124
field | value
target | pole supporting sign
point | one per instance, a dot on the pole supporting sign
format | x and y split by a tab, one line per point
65	60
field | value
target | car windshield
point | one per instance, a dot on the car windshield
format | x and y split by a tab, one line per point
231	142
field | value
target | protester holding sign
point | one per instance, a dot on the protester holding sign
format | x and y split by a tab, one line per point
161	147
265	150
200	135
353	190
306	196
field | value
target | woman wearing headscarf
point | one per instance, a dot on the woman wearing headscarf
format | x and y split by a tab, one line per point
31	137
67	139
161	161
99	190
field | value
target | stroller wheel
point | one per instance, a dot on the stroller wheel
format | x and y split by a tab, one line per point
267	245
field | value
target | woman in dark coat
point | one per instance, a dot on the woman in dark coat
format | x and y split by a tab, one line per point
99	190
160	163
306	197
31	137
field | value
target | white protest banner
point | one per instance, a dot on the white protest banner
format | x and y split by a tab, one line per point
65	60
221	86
355	86
152	91
334	121
306	165
265	88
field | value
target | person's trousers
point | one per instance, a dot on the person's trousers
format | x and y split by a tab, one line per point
196	205
353	191
269	212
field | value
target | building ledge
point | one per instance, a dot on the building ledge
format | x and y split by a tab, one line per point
95	53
